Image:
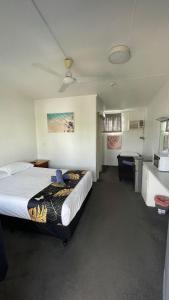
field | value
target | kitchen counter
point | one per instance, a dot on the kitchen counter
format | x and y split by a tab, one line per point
163	177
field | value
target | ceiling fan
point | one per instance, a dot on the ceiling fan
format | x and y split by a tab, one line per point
68	78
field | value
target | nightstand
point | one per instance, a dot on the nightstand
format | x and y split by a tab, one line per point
40	163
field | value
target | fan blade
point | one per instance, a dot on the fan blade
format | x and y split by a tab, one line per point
46	69
63	88
90	79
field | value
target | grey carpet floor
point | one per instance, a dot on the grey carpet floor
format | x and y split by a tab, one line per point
117	252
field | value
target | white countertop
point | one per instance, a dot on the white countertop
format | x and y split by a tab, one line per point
163	177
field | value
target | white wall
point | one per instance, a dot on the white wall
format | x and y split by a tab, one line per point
68	150
159	106
130	139
17	129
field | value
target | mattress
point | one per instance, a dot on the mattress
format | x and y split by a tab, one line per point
16	190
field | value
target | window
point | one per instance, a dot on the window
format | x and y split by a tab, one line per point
112	123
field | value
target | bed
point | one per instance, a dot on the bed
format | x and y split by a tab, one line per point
18	189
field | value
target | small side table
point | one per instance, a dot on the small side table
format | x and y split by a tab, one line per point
40	163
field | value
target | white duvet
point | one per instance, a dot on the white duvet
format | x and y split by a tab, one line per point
16	190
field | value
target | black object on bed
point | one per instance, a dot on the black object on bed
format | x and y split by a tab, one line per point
61	232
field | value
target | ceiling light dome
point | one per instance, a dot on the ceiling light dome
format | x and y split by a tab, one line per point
119	54
68	79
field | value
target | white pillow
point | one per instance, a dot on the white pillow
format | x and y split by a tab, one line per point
3	174
16	167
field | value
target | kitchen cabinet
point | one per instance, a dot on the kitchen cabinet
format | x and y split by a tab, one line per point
154	183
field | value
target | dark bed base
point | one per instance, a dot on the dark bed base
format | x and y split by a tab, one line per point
61	232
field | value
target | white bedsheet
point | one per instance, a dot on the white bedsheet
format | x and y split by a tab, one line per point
16	190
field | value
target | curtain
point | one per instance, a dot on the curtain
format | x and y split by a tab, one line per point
112	123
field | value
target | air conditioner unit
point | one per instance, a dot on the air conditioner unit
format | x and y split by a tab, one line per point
137	124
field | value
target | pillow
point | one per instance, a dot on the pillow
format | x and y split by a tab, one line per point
16	167
3	174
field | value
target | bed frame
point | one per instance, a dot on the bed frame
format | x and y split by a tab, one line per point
61	232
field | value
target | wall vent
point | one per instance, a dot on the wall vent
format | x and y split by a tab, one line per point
137	124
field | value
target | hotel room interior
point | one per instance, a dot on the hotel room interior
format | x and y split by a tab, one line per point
84	156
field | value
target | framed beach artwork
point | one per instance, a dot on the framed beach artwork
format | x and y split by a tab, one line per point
60	122
114	142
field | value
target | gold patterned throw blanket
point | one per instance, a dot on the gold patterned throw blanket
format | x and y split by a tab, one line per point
46	206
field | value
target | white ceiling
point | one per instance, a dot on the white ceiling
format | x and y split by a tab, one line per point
86	30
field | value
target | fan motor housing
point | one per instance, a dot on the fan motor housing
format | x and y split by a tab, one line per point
68	80
68	61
